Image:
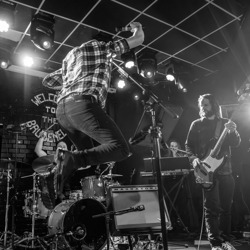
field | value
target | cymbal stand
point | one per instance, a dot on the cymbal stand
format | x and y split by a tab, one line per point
155	133
34	206
7	206
33	238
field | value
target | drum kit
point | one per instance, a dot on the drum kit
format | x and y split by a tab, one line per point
70	224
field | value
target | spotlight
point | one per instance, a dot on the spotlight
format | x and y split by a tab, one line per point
170	74
121	83
4	64
28	61
136	97
42	32
5	57
129	59
7	13
181	86
147	67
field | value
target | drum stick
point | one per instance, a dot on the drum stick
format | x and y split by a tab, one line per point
50	127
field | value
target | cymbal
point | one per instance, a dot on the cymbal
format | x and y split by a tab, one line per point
6	160
84	168
43	164
112	175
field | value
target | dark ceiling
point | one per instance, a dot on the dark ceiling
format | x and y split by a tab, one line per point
208	39
197	34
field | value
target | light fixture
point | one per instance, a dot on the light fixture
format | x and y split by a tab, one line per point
170	73
4	63
121	83
7	14
28	61
181	85
147	67
42	31
147	63
129	59
5	56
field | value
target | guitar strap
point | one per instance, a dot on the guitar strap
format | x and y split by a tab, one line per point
218	129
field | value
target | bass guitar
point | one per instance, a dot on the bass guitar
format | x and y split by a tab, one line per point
204	172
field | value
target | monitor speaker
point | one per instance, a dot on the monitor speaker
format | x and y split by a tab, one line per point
127	202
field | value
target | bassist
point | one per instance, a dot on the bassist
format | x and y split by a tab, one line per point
218	198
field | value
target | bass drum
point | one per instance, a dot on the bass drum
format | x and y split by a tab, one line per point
73	222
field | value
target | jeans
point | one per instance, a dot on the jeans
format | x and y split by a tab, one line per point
82	115
217	204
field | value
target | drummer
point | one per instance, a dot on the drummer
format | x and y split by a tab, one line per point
40	152
39	145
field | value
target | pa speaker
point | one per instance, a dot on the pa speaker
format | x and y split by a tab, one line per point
136	208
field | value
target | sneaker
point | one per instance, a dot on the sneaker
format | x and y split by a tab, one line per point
228	246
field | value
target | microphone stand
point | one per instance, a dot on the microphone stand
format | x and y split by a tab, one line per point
119	212
155	133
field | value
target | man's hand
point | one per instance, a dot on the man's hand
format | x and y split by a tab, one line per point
196	162
231	126
43	134
135	26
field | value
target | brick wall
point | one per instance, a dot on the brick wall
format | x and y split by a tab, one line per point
23	150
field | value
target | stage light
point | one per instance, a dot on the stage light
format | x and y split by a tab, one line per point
181	86
136	97
28	61
129	59
121	83
147	67
170	74
4	63
7	15
42	31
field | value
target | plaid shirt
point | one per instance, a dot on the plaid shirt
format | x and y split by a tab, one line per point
86	70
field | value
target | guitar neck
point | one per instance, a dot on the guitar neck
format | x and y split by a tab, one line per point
215	151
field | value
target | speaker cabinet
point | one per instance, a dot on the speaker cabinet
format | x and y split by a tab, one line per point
132	196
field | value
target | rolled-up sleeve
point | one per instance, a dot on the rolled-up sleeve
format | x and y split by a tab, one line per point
121	46
53	80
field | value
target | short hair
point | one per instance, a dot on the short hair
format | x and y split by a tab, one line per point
214	103
176	141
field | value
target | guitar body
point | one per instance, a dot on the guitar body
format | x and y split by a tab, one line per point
204	173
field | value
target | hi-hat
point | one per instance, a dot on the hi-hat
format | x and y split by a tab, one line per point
43	164
111	175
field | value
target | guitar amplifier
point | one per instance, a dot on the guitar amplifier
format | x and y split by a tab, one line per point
125	198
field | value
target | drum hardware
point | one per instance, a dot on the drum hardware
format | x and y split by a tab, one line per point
11	165
71	226
44	164
34	240
75	195
108	215
7	205
110	175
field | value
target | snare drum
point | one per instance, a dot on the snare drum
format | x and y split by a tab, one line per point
93	187
74	220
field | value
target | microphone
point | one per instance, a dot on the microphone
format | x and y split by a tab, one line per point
139	208
121	29
132	209
138	137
